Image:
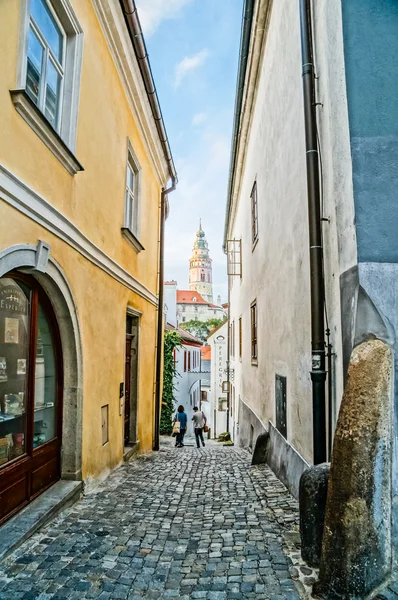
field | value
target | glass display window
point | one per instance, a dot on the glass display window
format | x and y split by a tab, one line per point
30	393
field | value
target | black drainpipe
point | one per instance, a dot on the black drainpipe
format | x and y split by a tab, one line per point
160	325
318	373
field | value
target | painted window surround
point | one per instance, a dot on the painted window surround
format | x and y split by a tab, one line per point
61	143
132	223
23	198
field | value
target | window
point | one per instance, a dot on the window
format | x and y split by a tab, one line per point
49	75
46	60
232	339
131	228
189	361
202	276
240	337
185	361
254	207
253	318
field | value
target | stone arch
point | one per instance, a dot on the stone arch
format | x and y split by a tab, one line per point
37	262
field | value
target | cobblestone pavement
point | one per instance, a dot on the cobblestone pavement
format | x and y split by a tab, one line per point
182	523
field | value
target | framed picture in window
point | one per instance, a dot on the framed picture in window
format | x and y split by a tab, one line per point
21	366
11	330
3	368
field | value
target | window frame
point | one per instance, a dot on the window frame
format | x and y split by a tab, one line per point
48	55
240	337
254	332
131	229
60	140
254	214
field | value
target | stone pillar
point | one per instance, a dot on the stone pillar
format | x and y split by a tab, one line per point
312	500
356	549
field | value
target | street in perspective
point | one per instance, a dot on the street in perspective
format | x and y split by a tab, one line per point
198	299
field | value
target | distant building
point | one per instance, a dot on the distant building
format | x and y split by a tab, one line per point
187	361
200	271
217	341
191	306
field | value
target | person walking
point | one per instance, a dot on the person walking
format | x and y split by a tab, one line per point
199	421
182	418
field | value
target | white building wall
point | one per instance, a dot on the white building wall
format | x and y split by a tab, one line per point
187	386
170	302
200	312
218	398
275	272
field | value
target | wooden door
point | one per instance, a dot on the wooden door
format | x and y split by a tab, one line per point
31	390
127	387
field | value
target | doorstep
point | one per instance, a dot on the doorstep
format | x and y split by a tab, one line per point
129	451
48	505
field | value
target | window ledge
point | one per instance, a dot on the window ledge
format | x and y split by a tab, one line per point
41	126
254	362
130	237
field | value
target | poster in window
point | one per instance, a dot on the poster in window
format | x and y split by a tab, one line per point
3	368
21	366
11	331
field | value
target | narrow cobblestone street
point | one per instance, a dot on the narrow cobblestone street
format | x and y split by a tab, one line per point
178	524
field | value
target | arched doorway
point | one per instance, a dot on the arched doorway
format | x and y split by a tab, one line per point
31	392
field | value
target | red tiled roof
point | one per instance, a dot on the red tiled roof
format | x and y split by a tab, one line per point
185	335
205	352
187	297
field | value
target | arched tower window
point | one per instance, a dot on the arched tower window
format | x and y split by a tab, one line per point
202	276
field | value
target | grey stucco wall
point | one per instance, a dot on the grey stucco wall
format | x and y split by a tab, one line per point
371	55
371	58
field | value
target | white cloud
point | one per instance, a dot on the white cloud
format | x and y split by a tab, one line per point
153	12
188	64
201	192
199	118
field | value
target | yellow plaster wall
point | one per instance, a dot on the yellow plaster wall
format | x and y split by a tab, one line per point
101	302
94	201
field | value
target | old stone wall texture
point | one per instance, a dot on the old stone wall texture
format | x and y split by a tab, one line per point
356	552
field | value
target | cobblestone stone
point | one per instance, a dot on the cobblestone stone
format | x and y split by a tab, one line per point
183	523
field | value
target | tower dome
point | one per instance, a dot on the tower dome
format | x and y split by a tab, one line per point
200	270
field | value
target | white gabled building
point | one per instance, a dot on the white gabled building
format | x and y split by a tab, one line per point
218	405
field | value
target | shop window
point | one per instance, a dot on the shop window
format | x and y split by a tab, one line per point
30	392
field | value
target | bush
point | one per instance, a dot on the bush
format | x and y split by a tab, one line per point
171	340
224	437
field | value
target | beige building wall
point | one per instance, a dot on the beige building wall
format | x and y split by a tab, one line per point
104	272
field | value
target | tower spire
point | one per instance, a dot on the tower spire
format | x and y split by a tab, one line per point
200	270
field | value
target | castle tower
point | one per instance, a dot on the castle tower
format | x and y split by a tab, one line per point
200	275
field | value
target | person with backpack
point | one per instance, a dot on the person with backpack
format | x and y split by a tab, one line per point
199	422
182	418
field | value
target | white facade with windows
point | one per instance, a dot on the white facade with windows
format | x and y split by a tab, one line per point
218	341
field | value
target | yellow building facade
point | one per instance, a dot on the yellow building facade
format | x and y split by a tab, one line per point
82	168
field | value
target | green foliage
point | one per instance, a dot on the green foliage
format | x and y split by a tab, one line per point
171	341
201	329
224	437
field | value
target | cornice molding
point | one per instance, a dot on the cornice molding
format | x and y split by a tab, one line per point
16	193
113	25
258	42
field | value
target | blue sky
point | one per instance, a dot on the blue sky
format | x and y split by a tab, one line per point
193	47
